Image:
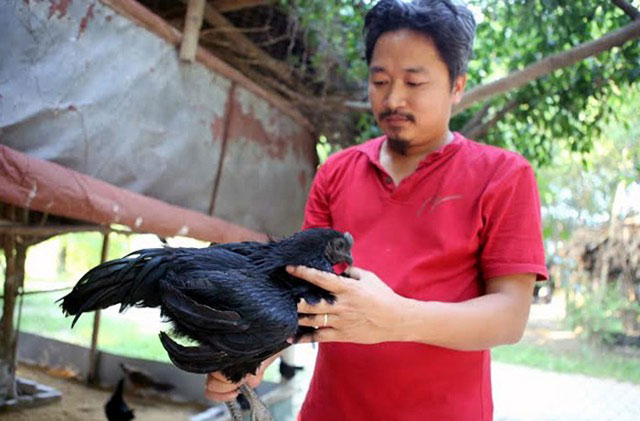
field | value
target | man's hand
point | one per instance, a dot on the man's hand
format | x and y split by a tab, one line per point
366	310
218	388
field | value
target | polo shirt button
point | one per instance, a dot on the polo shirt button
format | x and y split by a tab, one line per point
388	180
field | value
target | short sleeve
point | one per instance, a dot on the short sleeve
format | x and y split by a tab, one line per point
511	237
317	213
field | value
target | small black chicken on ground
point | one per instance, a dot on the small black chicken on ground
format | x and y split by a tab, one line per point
235	301
143	381
116	409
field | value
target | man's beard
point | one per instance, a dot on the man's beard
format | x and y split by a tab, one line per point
398	145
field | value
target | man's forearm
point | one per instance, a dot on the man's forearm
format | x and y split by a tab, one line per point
494	319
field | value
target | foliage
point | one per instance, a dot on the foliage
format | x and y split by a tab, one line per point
333	34
586	200
333	31
568	108
600	314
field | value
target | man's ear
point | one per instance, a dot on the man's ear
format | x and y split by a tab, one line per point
458	89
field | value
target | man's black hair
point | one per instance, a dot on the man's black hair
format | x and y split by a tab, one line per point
451	27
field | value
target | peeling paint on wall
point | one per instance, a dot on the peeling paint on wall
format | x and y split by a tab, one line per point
96	93
85	20
60	7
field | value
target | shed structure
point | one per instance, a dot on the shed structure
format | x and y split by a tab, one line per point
102	123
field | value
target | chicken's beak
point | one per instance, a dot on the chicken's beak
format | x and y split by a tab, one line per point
349	238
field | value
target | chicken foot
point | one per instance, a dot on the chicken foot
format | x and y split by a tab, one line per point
234	410
259	411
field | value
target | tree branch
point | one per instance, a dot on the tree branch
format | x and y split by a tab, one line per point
549	65
476	120
628	8
481	130
474	130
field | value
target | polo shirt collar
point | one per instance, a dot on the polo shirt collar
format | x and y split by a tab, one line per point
372	150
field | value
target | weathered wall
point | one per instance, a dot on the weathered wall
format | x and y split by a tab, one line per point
88	89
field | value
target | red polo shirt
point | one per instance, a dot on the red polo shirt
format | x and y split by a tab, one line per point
470	212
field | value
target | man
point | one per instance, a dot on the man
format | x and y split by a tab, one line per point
448	230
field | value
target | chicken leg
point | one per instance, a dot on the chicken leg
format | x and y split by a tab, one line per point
259	411
234	410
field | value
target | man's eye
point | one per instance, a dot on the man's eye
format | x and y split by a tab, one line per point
379	82
414	84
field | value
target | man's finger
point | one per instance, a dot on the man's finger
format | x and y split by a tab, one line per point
316	320
254	380
221	397
218	376
321	335
354	272
320	308
325	280
220	390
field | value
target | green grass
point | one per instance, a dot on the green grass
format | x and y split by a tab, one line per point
118	334
588	360
130	336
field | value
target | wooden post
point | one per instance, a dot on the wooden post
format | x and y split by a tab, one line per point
191	33
7	332
233	5
20	256
608	252
93	352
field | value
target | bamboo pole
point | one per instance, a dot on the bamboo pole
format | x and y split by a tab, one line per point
138	13
244	46
93	352
20	260
24	230
191	33
233	5
7	332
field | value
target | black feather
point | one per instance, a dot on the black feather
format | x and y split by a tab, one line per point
235	301
116	409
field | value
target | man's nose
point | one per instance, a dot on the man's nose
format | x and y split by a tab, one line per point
395	97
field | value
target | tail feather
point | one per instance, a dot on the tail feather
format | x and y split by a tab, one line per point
146	280
127	281
95	302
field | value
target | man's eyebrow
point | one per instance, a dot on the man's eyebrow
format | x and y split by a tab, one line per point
416	69
412	69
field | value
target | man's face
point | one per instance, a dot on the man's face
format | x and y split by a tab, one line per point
409	90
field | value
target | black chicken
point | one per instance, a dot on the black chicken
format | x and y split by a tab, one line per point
288	371
143	381
235	300
116	409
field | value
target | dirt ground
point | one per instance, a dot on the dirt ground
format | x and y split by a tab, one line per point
81	403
